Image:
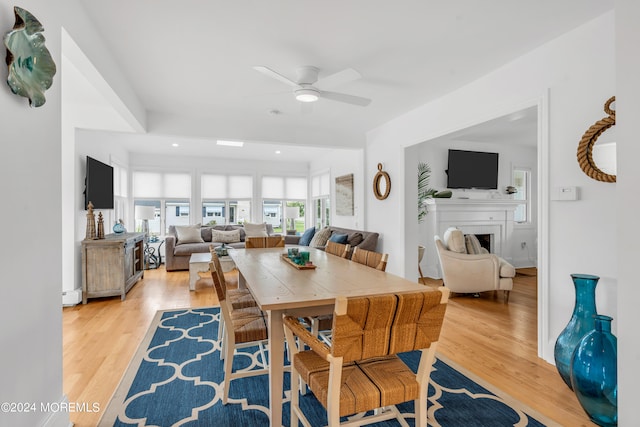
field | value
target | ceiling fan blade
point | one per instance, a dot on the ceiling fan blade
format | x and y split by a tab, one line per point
270	73
339	78
348	99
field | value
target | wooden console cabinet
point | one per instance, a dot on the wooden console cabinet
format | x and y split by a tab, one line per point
111	266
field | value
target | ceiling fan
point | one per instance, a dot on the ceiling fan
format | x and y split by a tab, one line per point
308	88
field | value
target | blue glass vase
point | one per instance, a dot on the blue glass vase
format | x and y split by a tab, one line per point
594	373
580	324
118	228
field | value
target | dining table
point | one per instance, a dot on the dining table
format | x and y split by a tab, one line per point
280	288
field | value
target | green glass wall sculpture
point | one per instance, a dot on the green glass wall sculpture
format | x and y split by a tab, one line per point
31	68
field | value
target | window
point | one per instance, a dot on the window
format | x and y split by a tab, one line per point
222	199
522	183
119	191
284	203
169	193
321	195
176	213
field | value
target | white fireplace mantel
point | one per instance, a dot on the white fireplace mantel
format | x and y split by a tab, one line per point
473	216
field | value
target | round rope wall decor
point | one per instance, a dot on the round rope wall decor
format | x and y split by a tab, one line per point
381	184
585	147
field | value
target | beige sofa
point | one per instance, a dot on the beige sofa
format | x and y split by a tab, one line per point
479	271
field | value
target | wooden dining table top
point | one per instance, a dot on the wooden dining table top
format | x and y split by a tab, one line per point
278	285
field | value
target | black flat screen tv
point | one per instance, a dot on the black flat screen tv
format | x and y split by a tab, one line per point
472	169
98	185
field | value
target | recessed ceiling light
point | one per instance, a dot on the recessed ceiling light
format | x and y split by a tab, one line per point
175	145
230	143
277	151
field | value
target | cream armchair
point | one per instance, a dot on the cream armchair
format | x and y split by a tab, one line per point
479	271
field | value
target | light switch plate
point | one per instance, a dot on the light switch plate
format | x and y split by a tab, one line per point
565	193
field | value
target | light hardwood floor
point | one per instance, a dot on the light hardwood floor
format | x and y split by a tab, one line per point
495	341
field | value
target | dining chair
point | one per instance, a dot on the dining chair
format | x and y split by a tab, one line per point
264	242
320	325
370	258
239	298
245	327
338	249
361	371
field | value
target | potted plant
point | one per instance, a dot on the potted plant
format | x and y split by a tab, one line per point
424	191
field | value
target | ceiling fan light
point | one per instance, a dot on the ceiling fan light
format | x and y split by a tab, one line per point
306	95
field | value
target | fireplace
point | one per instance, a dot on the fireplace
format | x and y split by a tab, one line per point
485	241
491	220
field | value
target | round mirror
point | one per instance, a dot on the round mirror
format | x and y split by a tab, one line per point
597	148
381	184
604	152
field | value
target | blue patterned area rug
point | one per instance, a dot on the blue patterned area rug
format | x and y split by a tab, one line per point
175	379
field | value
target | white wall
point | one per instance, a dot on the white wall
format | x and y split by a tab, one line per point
435	153
30	172
578	73
628	206
339	163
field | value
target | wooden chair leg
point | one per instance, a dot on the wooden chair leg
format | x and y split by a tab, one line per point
228	367
295	397
420	407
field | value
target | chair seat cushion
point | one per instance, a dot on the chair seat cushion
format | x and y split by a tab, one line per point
247	329
241	298
362	382
394	377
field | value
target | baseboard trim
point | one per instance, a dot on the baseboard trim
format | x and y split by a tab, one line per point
73	297
59	418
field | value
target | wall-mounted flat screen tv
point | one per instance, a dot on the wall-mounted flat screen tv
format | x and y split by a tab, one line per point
98	185
472	169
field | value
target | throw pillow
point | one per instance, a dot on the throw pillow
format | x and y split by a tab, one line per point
454	239
308	234
255	230
339	238
188	234
473	244
355	239
206	233
320	238
231	236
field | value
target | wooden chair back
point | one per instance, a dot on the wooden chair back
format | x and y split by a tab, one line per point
370	258
338	249
383	325
363	372
264	242
220	291
219	282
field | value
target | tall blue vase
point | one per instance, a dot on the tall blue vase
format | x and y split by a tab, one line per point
594	373
580	324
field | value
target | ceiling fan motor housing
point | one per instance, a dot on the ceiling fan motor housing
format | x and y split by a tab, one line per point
307	75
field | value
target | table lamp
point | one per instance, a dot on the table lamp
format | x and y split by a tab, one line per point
145	213
292	212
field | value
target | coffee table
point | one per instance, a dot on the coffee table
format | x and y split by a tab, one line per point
199	263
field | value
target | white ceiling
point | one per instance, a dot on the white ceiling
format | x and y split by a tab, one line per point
190	62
